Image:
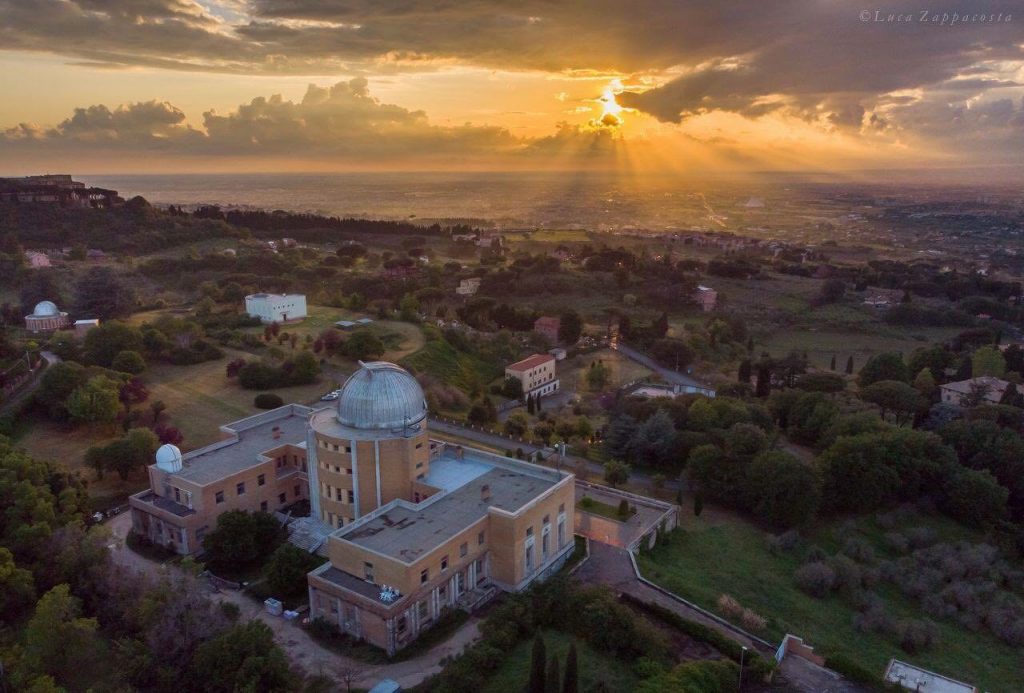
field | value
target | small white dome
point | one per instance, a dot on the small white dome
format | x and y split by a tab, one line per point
46	309
168	458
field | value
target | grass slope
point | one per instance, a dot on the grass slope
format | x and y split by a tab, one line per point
723	554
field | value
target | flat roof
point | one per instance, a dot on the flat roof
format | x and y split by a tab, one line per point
249	437
405	531
918	679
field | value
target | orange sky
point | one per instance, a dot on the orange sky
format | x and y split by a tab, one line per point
164	85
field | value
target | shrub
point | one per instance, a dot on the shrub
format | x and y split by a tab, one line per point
753	621
729	607
128	362
816	579
859	550
268	400
785	542
916	635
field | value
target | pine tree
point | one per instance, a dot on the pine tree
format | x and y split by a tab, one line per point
553	679
832	365
698	504
745	371
530	408
537	661
537	403
571	682
849	365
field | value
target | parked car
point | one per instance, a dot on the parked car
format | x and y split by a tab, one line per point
331	396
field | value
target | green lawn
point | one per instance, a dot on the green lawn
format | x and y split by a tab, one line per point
720	553
440	359
593	667
596	507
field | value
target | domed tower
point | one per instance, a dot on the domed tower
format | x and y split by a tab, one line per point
372	449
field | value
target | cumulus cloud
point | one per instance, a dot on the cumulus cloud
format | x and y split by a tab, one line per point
343	123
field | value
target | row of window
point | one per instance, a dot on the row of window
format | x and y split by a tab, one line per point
334	446
260	481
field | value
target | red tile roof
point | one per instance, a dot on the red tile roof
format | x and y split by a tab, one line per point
531	362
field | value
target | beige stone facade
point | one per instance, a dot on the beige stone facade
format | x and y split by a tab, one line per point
259	464
501	530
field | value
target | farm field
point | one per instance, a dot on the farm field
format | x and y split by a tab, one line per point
720	553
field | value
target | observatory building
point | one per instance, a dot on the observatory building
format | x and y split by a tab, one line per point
259	464
409	526
46	317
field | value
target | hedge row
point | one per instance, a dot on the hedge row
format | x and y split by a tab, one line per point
752	661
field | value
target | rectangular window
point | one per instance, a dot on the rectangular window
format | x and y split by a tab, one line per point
529	558
401	624
480	538
545	545
281	498
177	494
423	610
529	531
368	571
348	449
261	480
561	508
298	491
263	506
335	447
424	576
561	532
240	488
351	497
219	496
463	550
444	564
338	494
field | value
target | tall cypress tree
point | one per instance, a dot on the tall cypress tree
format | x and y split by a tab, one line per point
763	388
849	365
553	680
537	661
832	365
744	373
529	405
571	682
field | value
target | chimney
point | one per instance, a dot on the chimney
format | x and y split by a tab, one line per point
485	492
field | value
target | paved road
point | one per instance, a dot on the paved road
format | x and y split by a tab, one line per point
669	375
31	385
609	565
304	652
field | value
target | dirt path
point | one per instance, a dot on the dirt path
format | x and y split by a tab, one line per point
303	652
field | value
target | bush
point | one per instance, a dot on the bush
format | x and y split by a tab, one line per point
816	579
729	607
128	362
268	400
916	635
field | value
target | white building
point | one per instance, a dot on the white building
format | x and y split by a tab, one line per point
536	373
276	307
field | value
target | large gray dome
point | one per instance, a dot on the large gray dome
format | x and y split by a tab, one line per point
381	395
